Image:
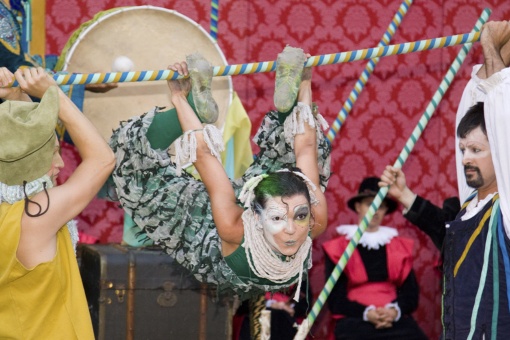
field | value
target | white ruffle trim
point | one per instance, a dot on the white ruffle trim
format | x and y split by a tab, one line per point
370	240
295	123
186	146
14	193
72	226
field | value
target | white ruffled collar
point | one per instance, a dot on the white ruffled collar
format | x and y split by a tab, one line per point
370	240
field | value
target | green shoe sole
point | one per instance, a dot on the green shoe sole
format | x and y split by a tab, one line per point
201	73
289	69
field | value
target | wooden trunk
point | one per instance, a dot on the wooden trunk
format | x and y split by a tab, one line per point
142	293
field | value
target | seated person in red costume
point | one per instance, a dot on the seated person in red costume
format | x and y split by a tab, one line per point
377	291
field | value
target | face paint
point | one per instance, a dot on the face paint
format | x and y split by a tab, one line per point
477	159
286	223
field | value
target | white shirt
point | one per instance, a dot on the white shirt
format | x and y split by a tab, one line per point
495	93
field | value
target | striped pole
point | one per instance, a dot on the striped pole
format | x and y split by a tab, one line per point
429	111
369	69
213	31
269	66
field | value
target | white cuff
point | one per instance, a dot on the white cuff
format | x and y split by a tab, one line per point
486	85
368	309
269	303
397	308
186	146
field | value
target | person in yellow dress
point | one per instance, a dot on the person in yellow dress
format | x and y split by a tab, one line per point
41	293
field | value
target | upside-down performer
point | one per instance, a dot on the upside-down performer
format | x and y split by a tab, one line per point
259	242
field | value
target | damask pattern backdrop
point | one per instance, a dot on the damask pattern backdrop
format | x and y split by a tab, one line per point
378	126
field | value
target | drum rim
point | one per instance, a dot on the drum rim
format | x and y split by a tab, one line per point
162	9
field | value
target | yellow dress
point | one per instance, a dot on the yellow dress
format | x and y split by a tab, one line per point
45	302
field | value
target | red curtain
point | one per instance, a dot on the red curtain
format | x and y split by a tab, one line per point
378	126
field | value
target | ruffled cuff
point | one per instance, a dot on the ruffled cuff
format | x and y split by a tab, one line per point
486	85
295	123
365	313
186	146
397	308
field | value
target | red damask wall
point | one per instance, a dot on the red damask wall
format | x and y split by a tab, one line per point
378	126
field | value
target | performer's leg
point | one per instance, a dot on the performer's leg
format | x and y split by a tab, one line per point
165	127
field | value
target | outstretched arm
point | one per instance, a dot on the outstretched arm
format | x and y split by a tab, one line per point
305	150
395	179
226	213
38	234
428	217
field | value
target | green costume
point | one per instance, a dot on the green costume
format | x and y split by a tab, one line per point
175	212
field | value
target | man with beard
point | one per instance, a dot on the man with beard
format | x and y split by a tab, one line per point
476	247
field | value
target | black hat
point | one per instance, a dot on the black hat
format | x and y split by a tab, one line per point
369	188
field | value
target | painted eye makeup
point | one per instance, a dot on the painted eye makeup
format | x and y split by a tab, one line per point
276	215
302	215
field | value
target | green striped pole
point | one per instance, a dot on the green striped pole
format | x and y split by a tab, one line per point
369	69
429	111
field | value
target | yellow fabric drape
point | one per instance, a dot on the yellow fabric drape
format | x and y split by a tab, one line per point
238	126
38	43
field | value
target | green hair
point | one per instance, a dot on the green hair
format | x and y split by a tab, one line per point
283	184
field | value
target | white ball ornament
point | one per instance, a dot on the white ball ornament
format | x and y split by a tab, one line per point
122	64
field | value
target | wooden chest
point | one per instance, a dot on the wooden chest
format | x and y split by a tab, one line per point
141	293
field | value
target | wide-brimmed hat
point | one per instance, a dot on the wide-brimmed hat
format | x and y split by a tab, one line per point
369	188
27	134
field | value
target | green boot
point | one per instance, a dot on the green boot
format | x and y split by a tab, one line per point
201	73
289	68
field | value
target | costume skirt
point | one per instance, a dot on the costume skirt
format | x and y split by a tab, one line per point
175	211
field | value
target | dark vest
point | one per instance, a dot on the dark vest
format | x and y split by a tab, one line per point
476	276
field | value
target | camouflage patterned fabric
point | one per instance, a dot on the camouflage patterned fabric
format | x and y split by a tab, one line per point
175	211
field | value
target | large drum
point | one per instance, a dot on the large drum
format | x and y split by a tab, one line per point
153	38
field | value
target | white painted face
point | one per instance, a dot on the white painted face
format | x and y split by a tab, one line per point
286	223
57	163
477	159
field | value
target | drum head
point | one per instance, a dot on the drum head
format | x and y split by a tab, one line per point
153	38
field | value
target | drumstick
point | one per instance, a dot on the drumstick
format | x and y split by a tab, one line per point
270	66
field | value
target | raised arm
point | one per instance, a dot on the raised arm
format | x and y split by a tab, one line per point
428	217
305	150
497	108
226	213
38	234
496	48
10	93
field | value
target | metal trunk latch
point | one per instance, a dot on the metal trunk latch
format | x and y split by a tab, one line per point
167	298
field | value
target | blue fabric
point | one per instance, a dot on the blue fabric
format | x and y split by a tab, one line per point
504	254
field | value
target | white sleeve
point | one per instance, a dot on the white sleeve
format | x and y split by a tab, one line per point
471	95
497	121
